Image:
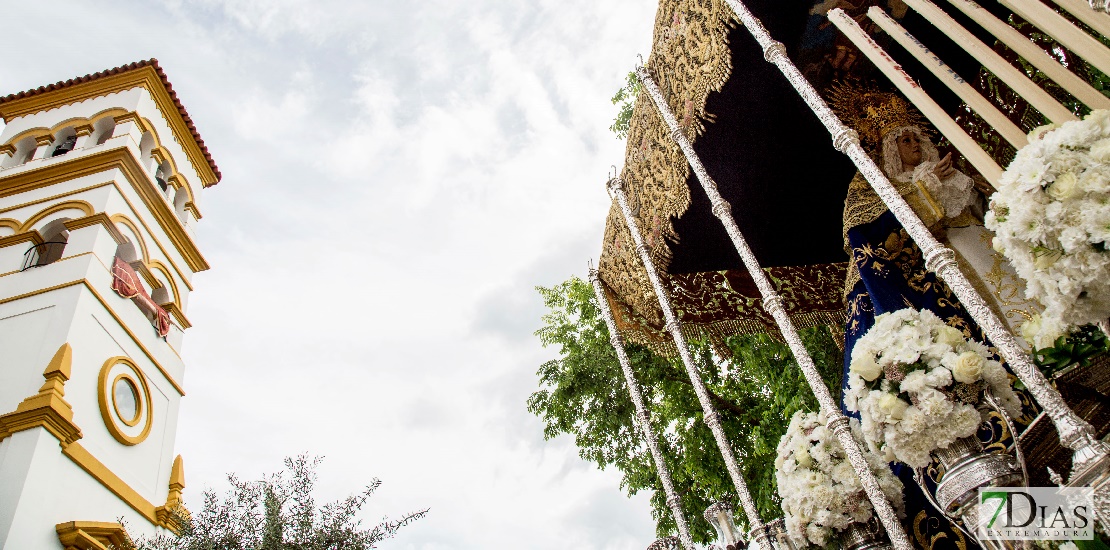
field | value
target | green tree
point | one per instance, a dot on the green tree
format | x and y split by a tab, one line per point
277	513
582	393
626	99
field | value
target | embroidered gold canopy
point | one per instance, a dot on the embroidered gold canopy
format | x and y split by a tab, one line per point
770	157
695	46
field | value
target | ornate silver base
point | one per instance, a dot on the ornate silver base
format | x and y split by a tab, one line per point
864	536
966	469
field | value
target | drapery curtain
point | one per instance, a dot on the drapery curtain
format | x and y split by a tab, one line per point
125	282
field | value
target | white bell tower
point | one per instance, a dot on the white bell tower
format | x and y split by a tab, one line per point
100	186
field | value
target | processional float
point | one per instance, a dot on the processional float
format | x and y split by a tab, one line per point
649	222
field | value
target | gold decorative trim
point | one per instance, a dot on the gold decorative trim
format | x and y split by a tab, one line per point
101	218
44	140
174	178
85	208
142	182
165	512
159	266
83	129
143	77
8	149
52	197
47	409
190	207
104	394
124	220
72	122
179	315
147	275
32	236
130	116
62	259
89	463
32	133
92	535
113	314
715	305
94	219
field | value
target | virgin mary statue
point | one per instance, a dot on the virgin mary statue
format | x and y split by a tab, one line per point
887	271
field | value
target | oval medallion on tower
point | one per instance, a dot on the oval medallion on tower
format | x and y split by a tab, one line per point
124	400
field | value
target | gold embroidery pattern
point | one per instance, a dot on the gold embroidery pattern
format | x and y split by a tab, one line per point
690	59
981	286
863	206
928	532
715	305
1007	289
899	252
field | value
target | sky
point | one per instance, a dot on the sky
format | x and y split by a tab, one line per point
397	178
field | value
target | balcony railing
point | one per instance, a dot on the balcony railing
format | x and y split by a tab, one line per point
42	254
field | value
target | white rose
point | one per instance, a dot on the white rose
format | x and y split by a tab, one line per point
1065	187
1030	328
865	366
1045	260
968	368
892	406
803	458
950	336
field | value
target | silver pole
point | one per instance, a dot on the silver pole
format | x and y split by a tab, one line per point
1074	432
712	419
772	302
642	417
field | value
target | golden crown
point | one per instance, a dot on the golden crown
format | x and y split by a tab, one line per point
872	112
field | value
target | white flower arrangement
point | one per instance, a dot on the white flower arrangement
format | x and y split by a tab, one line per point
916	382
820	491
1051	219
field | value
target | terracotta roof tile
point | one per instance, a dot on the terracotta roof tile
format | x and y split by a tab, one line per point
153	63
